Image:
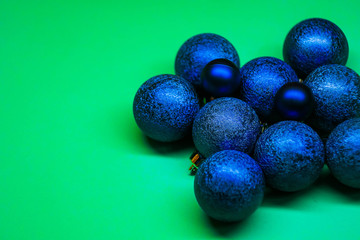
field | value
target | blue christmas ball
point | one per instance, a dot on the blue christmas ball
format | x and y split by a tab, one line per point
261	78
165	107
229	186
291	155
220	78
336	90
313	43
343	152
198	51
294	101
225	124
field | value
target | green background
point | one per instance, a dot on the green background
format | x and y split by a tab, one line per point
74	165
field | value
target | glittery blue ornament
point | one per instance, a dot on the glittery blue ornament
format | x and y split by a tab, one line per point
294	101
291	155
343	152
198	51
229	186
225	124
261	78
313	43
165	107
220	78
336	90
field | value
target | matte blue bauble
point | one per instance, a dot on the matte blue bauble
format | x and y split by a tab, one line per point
313	43
261	78
291	155
294	101
198	51
336	90
220	78
343	152
229	186
165	107
225	124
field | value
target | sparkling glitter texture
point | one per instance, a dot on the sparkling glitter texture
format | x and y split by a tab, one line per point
165	107
343	152
229	186
313	43
225	124
336	91
261	78
291	155
198	51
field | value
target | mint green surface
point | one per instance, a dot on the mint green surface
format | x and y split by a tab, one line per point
74	165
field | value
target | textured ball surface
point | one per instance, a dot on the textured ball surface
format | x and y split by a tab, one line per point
313	43
343	152
294	101
220	78
229	186
336	90
225	124
291	155
261	78
165	107
198	51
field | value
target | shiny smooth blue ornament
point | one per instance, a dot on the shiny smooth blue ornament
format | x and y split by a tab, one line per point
313	43
336	91
343	152
291	155
198	51
229	186
294	101
261	78
225	124
165	106
220	78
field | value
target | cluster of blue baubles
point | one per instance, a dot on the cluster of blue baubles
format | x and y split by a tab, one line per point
269	121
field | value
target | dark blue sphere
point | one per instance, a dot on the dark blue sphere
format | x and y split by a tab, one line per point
220	78
261	78
343	152
336	90
229	186
225	124
313	43
291	155
198	51
294	101
165	107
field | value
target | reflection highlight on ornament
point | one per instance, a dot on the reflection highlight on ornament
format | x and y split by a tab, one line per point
221	71
317	40
294	95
